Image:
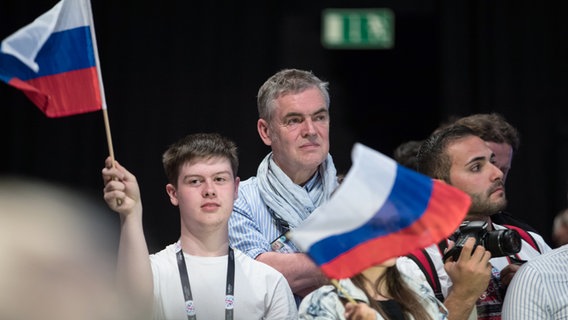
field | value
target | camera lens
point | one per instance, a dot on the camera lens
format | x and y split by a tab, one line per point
503	242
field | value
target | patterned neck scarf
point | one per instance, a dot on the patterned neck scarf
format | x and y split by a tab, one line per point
289	201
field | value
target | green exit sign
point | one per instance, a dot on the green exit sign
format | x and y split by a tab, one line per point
357	29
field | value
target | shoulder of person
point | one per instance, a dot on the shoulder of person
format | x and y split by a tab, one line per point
168	251
322	303
558	255
250	182
248	190
164	259
424	291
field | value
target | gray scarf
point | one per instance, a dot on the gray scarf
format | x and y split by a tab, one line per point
288	200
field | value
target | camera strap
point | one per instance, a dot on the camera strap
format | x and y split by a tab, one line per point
524	235
426	265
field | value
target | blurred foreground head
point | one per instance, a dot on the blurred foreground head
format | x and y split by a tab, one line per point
56	260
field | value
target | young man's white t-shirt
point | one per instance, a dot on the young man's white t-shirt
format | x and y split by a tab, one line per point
260	292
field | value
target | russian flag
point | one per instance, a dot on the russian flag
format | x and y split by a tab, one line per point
54	59
382	210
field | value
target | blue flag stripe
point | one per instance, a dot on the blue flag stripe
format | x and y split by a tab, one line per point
406	203
64	51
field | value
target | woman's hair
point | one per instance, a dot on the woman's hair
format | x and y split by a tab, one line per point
398	290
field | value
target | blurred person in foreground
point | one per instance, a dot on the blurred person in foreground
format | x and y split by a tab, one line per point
57	259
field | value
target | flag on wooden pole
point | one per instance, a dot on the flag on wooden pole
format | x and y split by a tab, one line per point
54	61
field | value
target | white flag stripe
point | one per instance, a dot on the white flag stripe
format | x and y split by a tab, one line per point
363	192
25	43
70	17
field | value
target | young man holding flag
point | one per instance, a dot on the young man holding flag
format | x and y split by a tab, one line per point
200	276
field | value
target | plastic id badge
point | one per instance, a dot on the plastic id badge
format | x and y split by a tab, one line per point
283	245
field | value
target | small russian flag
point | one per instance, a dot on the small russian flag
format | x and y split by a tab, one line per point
382	210
54	60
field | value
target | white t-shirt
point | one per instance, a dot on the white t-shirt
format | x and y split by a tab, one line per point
260	291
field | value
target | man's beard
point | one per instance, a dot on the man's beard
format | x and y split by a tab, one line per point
483	207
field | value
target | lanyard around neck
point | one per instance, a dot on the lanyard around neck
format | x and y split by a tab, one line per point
229	292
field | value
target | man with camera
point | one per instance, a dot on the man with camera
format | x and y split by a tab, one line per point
459	157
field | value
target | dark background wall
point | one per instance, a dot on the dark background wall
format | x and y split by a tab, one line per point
173	68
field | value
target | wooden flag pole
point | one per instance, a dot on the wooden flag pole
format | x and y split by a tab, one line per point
108	135
109	142
101	87
100	78
340	288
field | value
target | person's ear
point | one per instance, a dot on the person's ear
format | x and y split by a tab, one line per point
264	131
172	193
237	181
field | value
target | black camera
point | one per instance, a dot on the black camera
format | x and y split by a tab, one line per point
499	242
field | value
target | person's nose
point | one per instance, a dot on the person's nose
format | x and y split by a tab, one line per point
497	173
209	190
309	128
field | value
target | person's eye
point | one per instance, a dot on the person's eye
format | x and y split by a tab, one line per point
321	117
194	182
220	179
476	167
293	121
